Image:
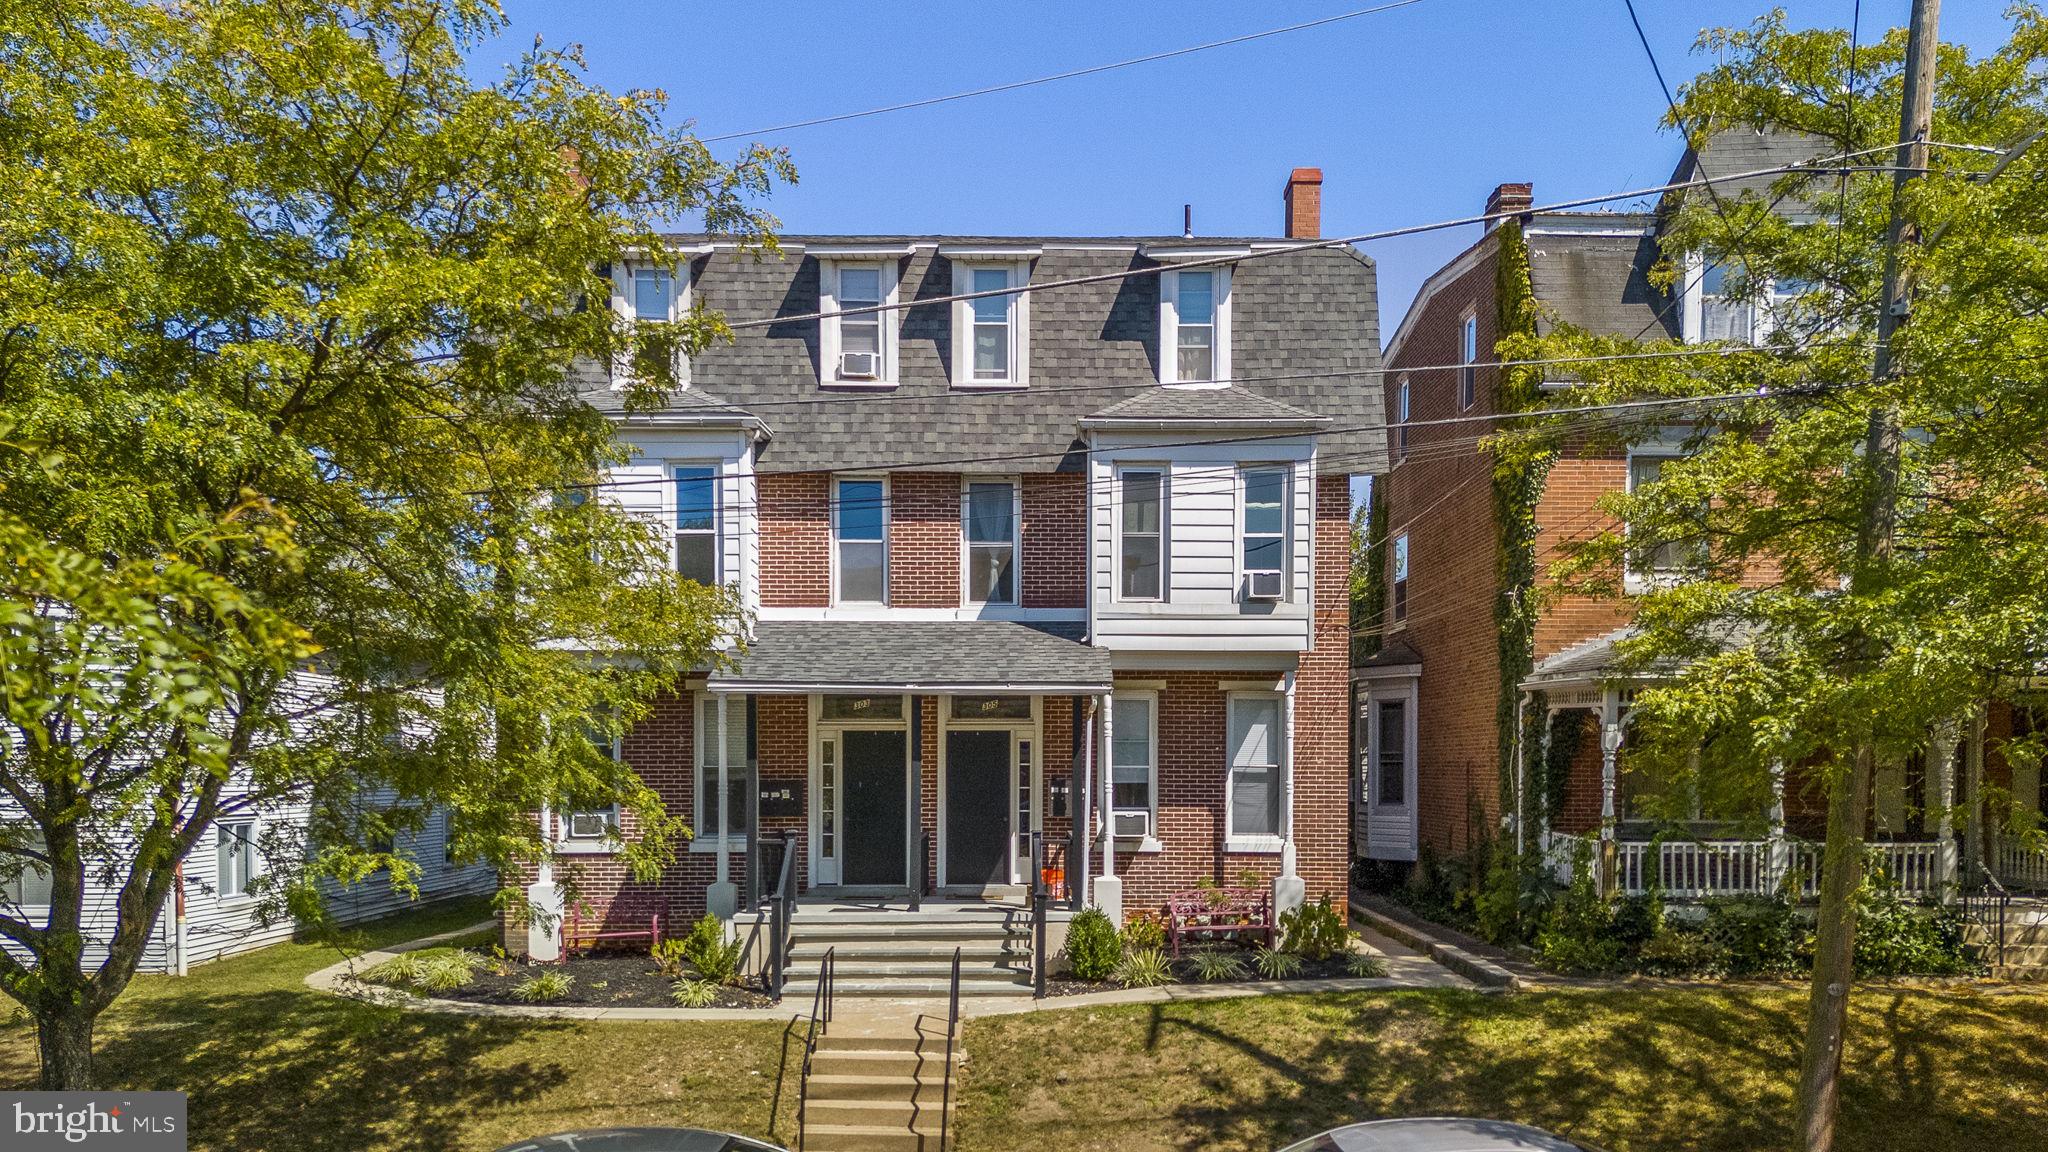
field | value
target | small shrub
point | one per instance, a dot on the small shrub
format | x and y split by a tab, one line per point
1314	930
1145	930
542	987
1679	952
1755	935
668	957
1093	947
400	970
447	971
1214	964
1250	878
1894	938
1578	936
706	951
1275	964
1144	968
1638	919
1365	965
694	993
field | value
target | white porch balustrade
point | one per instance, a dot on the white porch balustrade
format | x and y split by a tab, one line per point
1699	869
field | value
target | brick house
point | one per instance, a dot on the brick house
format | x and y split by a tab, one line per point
1436	720
1070	562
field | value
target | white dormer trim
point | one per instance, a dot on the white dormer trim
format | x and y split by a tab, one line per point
963	322
1169	328
887	261
681	281
990	253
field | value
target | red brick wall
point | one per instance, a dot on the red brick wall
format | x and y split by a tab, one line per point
1055	540
924	540
796	539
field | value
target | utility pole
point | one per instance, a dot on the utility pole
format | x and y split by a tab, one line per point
1849	793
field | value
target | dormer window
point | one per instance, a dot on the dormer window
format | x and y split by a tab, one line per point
653	294
1724	317
1194	326
858	350
991	333
644	292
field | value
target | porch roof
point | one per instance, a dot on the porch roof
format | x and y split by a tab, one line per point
787	656
1597	662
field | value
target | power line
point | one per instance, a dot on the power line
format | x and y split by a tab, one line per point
1091	70
1821	166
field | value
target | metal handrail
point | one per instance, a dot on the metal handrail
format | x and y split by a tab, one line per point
1991	904
1039	898
782	906
821	1023
952	1026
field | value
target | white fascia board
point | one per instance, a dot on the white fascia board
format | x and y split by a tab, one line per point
1214	252
860	251
754	425
1386	672
991	251
702	248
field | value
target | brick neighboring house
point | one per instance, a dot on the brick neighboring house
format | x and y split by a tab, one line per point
1429	703
1071	562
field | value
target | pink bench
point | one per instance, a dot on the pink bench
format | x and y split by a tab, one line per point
1219	911
635	917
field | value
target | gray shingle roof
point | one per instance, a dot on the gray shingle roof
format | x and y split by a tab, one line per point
927	655
1736	150
1224	405
1298	313
1598	279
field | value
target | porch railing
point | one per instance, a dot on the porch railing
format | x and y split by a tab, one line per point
2022	866
781	907
1699	869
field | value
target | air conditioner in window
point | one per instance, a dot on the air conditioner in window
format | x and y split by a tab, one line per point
1263	586
588	825
859	365
1132	825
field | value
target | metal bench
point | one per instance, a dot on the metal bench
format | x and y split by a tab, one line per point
630	918
1220	911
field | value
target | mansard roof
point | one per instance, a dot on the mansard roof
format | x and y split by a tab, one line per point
1304	336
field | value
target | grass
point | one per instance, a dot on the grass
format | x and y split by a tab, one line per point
270	1063
1929	1069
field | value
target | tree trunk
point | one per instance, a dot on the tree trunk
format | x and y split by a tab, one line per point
1834	953
64	1041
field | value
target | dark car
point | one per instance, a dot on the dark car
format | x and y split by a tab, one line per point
1437	1134
642	1140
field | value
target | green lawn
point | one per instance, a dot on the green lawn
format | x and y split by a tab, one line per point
273	1066
1930	1070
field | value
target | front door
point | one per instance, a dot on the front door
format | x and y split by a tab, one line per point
978	806
874	818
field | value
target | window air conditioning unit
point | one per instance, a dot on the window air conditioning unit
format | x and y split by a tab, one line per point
1262	586
588	825
1132	825
859	365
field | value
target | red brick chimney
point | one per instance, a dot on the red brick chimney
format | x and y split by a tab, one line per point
1514	198
1304	200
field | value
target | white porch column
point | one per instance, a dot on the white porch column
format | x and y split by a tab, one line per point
544	900
1941	786
1973	774
1109	890
1289	891
1610	746
1520	774
1779	847
722	899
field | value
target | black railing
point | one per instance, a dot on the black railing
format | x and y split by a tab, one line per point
952	1027
821	1023
781	907
1989	906
1039	899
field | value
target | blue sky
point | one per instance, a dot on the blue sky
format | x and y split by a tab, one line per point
1413	115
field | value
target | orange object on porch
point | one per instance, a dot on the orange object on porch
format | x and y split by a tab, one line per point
1055	880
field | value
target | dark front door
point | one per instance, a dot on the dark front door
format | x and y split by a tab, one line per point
873	819
977	808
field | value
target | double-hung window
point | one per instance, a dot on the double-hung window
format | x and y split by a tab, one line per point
859	541
696	529
1401	577
588	828
860	336
1256	760
1265	524
1195	325
992	337
1468	357
736	776
1390	744
653	294
1401	417
234	857
1667	559
1141	500
1133	763
991	530
1724	315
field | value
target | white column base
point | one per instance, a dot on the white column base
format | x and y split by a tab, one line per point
722	899
544	923
1109	896
1289	892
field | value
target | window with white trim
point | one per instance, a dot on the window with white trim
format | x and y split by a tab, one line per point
1390	775
1141	533
1400	581
857	349
652	293
989	516
1194	325
696	527
860	518
1265	520
1468	356
234	857
991	340
735	708
1725	315
1401	417
1134	757
1666	561
590	827
29	887
1256	759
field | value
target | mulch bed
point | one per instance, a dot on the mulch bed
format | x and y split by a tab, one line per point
1184	973
601	980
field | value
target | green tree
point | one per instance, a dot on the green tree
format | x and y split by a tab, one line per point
290	324
1795	645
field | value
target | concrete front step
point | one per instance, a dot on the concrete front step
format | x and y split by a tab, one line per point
908	987
865	1138
850	968
911	1117
949	932
811	952
927	1066
904	1090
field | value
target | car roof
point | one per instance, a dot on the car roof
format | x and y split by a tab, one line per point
1436	1134
641	1140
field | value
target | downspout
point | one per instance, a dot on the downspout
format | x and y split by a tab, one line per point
178	921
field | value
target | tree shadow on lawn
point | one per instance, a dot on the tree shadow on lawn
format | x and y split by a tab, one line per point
1712	1069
